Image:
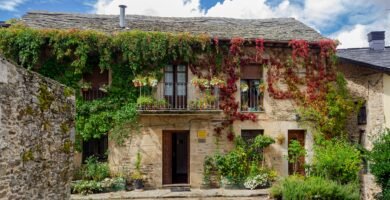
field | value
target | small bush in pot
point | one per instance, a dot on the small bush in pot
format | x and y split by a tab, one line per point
136	176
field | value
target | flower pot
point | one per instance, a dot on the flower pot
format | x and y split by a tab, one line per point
138	184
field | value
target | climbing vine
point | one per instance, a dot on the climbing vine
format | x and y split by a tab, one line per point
65	55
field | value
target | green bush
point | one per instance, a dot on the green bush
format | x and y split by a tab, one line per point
380	155
240	163
94	170
336	160
295	152
296	187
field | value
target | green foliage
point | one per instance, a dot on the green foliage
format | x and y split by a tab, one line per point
85	187
295	187
243	161
329	117
336	160
65	55
145	101
295	152
94	170
380	155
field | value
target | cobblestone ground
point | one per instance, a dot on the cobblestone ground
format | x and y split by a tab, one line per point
194	194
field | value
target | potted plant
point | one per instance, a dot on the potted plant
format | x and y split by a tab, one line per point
217	82
152	81
85	86
136	176
140	81
244	87
145	102
162	104
280	138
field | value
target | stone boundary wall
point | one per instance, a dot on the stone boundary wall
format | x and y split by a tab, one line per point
36	135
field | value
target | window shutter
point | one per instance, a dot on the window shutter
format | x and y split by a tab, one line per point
251	72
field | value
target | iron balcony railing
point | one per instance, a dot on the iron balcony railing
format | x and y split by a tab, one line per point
177	97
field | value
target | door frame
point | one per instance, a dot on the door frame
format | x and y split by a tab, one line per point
167	174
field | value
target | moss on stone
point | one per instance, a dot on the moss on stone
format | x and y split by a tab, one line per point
30	111
67	147
64	128
46	125
68	92
45	97
27	156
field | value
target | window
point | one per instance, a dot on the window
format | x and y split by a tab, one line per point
252	88
362	115
98	79
96	147
250	135
175	86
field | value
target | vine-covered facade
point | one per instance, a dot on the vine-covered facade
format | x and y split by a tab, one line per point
177	97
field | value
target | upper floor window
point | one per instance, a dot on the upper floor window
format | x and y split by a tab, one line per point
252	88
97	81
175	86
362	115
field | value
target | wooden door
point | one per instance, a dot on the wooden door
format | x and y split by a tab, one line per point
300	136
176	157
167	157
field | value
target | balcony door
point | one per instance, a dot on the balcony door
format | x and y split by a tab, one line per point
175	86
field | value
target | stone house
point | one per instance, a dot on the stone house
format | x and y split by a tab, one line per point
367	71
176	137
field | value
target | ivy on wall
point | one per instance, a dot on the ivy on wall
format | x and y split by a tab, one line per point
65	55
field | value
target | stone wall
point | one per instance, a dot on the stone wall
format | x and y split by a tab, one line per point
367	85
36	135
386	98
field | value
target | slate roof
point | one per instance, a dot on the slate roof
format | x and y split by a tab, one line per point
276	29
379	60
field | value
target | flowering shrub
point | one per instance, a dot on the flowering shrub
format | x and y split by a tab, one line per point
260	180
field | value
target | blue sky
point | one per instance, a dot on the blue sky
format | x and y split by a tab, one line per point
346	20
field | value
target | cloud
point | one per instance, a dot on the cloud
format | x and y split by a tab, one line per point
346	20
356	35
10	5
171	8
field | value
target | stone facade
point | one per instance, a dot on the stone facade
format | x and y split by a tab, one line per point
278	118
368	85
36	135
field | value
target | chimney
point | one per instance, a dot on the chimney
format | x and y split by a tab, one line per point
122	16
376	40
